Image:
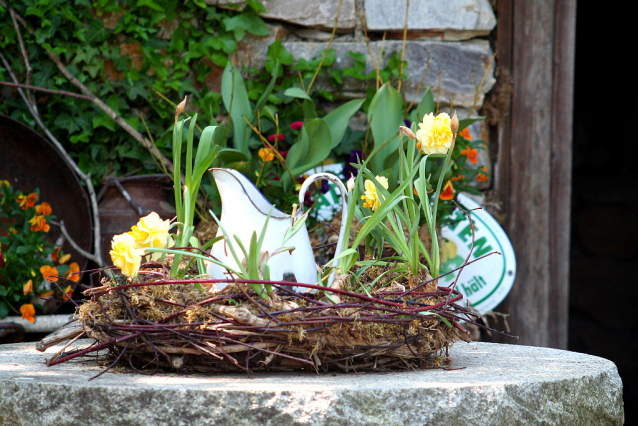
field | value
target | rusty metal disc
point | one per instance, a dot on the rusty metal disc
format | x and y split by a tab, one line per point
29	161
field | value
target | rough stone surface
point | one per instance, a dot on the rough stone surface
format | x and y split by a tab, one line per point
452	19
463	65
491	384
308	13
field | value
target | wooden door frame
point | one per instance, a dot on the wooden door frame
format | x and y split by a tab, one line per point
535	42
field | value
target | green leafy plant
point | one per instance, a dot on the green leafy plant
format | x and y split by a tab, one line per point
131	54
395	216
27	257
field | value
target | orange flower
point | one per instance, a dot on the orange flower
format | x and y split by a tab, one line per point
470	154
448	191
455	178
55	255
481	176
27	201
64	259
49	273
74	272
44	209
28	312
68	293
47	294
39	223
465	133
28	287
266	154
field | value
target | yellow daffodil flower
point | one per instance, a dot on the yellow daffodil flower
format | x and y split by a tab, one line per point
151	231
372	200
434	134
125	254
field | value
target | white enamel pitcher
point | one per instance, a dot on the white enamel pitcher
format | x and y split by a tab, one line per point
245	210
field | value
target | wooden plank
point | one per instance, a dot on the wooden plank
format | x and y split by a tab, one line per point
532	175
562	117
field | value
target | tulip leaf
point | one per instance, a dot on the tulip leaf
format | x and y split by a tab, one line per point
386	115
236	101
338	119
296	92
426	105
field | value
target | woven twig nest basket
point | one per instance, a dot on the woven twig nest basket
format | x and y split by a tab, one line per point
177	324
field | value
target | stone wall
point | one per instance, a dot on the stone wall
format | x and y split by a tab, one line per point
447	34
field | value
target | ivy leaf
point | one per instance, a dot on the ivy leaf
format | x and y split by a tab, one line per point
246	22
65	121
104	121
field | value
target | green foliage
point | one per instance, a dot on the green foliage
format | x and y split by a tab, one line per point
133	54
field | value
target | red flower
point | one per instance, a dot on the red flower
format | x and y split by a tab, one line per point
296	125
277	137
465	133
448	191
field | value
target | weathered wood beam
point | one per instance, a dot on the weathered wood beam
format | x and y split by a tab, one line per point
535	41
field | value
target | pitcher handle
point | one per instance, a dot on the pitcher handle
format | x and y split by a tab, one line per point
344	211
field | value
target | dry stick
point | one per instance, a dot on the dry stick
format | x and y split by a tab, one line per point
405	36
96	257
97	101
42	89
94	348
438	92
25	57
325	53
416	93
114	362
367	39
478	88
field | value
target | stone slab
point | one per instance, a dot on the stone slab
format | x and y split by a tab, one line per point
491	384
462	64
453	19
310	13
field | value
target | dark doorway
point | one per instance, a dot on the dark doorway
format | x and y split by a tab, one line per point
604	242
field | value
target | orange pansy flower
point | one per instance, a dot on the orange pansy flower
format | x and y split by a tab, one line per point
68	293
74	272
266	154
49	273
44	209
481	176
27	201
47	294
28	312
471	154
39	223
448	191
465	133
56	254
28	287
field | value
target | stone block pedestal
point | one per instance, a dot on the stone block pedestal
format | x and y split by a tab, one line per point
490	384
